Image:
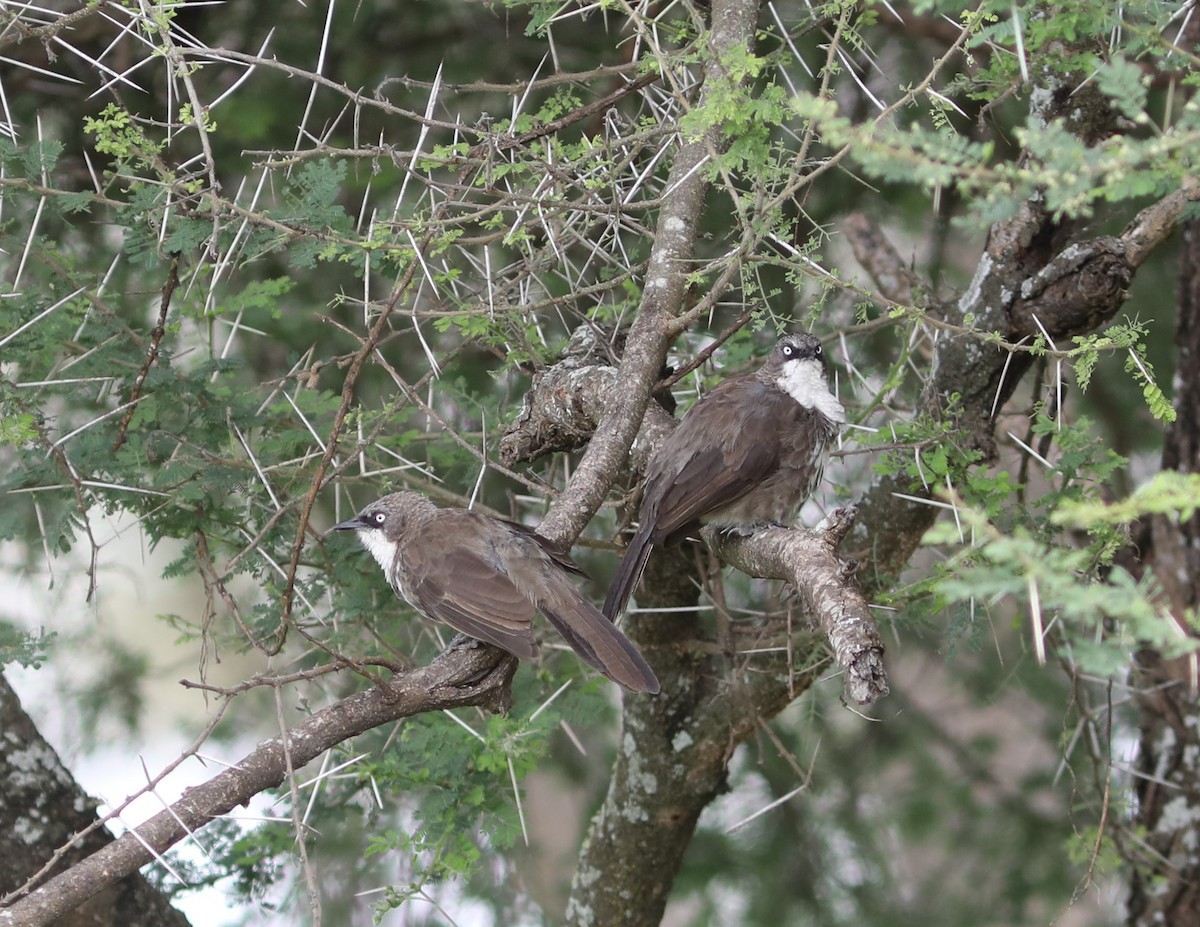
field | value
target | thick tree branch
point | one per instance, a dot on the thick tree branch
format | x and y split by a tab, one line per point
461	676
880	259
809	561
566	402
1030	279
1023	289
674	757
663	292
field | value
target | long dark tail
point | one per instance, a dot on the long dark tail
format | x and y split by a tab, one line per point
598	642
629	572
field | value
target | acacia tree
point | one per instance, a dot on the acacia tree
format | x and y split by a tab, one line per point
362	274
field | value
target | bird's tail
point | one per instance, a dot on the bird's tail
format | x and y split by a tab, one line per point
599	643
628	573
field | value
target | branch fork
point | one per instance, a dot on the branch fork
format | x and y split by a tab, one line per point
809	561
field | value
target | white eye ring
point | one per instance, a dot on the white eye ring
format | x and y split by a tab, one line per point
788	350
378	517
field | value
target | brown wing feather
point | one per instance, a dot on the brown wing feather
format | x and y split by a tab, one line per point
549	548
724	447
537	573
458	583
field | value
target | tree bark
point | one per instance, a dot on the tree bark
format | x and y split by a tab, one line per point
41	809
1165	882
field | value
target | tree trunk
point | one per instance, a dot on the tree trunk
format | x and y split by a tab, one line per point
1165	888
41	807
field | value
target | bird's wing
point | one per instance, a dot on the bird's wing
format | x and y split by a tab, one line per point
548	547
725	445
455	579
538	571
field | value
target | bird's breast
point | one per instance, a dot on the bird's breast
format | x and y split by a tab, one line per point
382	549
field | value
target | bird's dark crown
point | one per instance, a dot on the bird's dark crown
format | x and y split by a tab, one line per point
390	514
800	346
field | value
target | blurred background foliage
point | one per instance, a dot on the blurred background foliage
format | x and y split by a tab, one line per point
422	174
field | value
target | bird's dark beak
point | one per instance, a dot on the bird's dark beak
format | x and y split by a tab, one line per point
350	524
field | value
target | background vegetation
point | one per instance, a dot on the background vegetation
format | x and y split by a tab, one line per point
262	262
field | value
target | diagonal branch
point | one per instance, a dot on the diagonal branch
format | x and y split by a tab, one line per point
459	677
662	301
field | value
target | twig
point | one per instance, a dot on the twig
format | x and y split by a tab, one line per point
156	337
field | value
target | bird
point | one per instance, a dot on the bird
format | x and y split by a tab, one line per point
745	456
487	577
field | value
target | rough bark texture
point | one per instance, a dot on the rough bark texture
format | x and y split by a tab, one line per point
658	788
463	675
666	280
1165	886
809	561
673	757
41	809
567	401
1031	279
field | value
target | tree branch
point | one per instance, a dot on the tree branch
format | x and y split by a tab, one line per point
879	258
459	677
567	401
809	561
663	292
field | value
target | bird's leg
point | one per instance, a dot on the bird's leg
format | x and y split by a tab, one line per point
745	531
462	641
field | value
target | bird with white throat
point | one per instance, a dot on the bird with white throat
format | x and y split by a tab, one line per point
487	578
745	456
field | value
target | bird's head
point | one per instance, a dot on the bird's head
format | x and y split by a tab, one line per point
798	366
382	524
800	348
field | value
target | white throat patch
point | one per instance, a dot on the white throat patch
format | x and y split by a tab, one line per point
383	550
805	382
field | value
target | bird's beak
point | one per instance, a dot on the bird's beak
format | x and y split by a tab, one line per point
350	524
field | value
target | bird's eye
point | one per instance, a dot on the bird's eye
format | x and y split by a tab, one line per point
788	350
817	350
378	518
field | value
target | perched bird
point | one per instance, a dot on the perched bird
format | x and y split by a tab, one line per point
746	455
486	578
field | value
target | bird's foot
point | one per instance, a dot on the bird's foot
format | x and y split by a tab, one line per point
745	531
464	642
